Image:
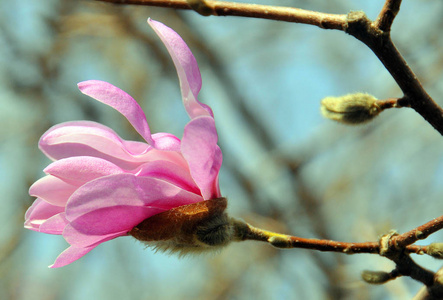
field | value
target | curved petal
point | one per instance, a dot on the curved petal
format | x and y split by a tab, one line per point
121	101
170	172
199	148
81	234
166	141
117	203
122	190
79	170
89	139
55	224
53	190
70	255
84	138
39	212
187	69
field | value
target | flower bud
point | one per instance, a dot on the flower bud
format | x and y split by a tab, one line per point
191	228
350	109
435	250
376	277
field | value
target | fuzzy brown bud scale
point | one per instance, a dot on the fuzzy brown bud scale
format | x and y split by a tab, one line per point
187	229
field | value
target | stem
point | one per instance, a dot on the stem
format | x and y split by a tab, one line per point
387	15
278	13
244	231
389	103
407	267
419	233
381	44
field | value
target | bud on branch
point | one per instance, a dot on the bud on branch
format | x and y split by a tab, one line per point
351	109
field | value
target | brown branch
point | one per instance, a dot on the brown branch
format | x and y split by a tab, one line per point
407	267
391	103
433	292
397	250
278	13
387	15
381	44
419	233
390	243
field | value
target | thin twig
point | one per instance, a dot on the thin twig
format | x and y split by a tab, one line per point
407	267
381	44
419	233
389	103
387	15
278	13
248	232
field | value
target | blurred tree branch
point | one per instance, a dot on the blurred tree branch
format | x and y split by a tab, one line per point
278	13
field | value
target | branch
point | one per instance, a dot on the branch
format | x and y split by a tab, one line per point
392	246
387	15
433	292
419	233
381	44
245	231
278	13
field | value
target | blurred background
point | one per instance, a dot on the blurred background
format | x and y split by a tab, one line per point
285	168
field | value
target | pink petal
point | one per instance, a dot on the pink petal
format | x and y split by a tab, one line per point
116	203
109	191
84	138
80	169
170	172
77	234
70	255
187	69
120	101
158	193
53	190
126	190
39	212
199	147
55	224
166	141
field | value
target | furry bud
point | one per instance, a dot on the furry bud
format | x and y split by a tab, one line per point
191	228
351	109
435	250
376	277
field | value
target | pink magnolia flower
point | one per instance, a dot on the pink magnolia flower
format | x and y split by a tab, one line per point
100	186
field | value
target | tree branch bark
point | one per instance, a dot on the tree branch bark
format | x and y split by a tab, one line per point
277	13
387	15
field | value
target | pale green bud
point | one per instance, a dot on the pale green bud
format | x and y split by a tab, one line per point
435	250
350	109
376	277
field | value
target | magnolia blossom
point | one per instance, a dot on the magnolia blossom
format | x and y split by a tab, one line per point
100	186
